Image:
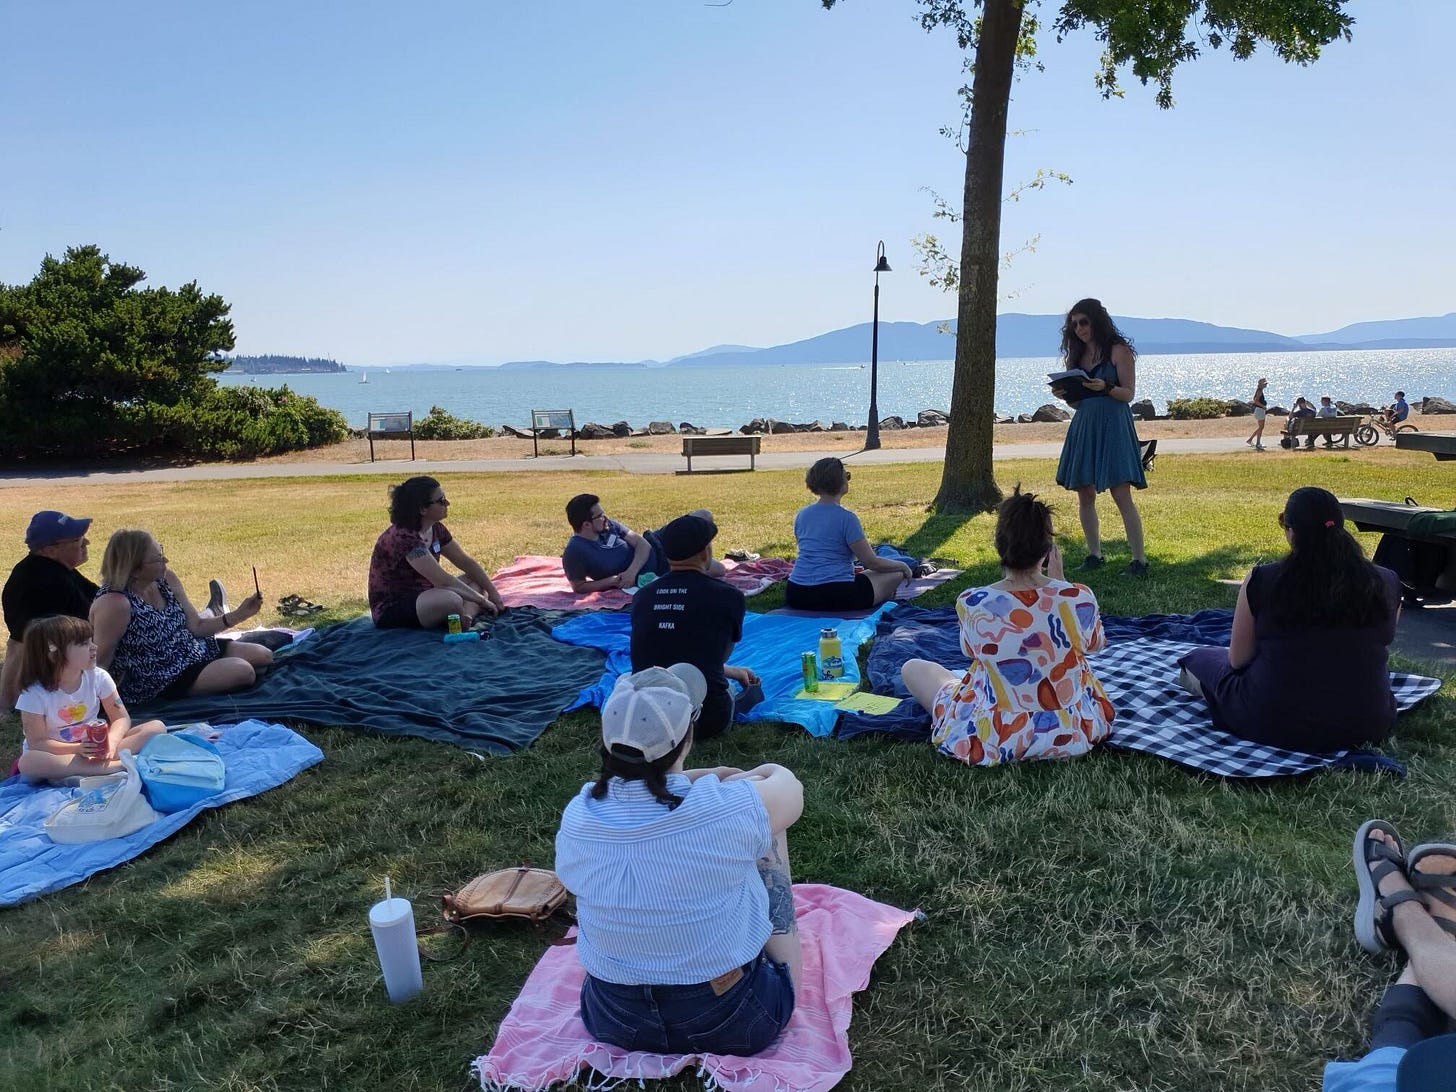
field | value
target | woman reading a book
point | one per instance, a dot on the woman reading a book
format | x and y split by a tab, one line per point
1101	449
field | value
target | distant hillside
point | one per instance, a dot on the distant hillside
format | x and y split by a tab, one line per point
1406	333
518	365
283	365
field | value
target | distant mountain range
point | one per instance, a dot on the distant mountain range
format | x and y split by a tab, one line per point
1019	335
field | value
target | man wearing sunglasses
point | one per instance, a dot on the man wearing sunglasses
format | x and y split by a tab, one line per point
602	554
43	583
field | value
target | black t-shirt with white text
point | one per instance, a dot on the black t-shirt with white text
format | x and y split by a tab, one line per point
687	617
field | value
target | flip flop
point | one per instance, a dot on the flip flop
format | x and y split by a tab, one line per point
1434	886
1374	861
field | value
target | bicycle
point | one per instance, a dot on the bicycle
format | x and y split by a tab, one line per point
1367	433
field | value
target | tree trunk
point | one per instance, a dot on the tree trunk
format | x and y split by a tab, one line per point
967	482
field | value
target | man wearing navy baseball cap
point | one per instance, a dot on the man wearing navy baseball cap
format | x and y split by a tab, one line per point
44	582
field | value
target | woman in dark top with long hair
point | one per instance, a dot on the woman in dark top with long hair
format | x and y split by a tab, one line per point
1101	448
1307	666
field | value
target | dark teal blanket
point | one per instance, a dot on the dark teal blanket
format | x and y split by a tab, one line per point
495	696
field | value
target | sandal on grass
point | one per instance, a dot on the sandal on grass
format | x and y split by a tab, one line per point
295	606
1434	886
1374	860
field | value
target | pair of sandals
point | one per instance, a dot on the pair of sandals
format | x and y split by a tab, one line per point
295	606
1375	859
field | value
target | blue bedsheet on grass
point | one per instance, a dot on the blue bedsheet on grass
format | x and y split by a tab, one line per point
257	757
772	645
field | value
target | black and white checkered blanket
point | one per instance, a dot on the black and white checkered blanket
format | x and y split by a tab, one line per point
1157	716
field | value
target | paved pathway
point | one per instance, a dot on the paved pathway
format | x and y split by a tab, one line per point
662	462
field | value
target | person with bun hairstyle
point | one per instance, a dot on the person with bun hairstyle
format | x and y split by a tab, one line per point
684	902
831	539
1029	691
1307	667
1101	448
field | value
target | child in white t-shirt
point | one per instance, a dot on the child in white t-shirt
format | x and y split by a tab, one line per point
62	692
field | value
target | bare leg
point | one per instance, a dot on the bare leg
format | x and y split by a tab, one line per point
1432	953
433	605
39	765
224	675
924	678
261	658
1087	513
783	945
885	585
1132	522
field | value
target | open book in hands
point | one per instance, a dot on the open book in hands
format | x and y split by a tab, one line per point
1068	385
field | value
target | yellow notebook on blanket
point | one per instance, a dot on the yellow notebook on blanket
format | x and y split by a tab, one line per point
828	691
874	704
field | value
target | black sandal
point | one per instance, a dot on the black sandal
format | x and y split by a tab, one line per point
1437	886
1374	860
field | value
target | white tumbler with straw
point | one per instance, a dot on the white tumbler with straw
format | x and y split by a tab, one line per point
392	922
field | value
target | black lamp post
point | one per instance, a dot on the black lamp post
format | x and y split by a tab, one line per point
872	430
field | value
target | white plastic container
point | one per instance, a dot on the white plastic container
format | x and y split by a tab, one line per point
392	921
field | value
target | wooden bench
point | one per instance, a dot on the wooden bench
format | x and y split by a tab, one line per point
551	423
1440	444
1333	427
391	426
721	445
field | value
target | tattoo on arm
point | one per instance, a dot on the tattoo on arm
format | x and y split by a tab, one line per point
419	551
774	871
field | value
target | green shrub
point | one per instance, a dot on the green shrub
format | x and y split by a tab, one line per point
244	423
1197	409
440	425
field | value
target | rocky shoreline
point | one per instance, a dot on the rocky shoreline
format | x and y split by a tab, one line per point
1050	413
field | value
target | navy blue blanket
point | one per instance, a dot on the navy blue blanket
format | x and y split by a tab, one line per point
494	696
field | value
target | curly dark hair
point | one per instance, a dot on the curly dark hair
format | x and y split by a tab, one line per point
1023	530
827	477
1105	333
1324	581
653	774
408	500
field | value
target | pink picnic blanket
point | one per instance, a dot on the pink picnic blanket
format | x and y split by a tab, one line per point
533	581
542	1041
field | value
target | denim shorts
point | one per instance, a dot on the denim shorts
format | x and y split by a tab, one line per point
744	1020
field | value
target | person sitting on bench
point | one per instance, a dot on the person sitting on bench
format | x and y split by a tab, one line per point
1327	408
603	554
1302	410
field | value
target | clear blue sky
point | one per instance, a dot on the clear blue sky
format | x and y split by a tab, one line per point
479	182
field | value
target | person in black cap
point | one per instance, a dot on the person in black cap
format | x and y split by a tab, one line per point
688	616
44	582
1407	905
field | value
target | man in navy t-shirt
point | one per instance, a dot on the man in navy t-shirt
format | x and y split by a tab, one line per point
690	617
603	554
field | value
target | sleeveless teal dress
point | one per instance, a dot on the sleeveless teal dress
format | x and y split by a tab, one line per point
1101	448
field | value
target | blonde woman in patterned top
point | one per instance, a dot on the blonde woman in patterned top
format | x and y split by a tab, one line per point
1029	691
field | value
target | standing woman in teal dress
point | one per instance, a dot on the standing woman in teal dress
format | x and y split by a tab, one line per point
1101	449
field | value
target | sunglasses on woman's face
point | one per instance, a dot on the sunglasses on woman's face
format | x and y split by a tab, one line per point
1080	321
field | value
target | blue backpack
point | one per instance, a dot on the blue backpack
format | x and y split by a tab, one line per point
179	770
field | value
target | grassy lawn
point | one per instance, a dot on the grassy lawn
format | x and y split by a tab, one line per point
1111	923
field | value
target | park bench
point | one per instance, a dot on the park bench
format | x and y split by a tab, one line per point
1338	428
551	423
391	426
1440	444
721	445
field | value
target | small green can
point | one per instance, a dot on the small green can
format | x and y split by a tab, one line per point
809	663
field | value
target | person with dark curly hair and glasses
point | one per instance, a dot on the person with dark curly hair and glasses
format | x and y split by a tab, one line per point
1100	452
408	587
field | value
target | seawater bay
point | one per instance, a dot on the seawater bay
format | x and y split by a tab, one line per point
728	396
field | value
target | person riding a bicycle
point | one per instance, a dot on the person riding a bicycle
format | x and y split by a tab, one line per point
1396	412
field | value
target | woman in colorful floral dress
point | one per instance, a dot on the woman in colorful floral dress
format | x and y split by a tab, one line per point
1029	691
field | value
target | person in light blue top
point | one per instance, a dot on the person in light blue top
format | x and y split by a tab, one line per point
684	905
830	541
1101	448
1407	904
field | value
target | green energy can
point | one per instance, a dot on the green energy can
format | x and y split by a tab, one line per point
810	665
452	623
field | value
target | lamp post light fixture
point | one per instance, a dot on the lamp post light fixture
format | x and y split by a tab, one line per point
872	430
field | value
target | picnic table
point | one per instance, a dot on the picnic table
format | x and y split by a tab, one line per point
1440	444
1415	522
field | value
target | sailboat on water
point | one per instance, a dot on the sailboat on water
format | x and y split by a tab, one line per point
363	377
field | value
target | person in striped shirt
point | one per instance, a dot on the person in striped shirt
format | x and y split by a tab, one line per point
685	912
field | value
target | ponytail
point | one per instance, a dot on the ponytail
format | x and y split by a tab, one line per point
651	774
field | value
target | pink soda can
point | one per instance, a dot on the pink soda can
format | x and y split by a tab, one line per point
98	732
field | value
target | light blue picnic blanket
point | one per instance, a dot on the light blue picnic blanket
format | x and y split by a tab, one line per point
258	756
772	646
